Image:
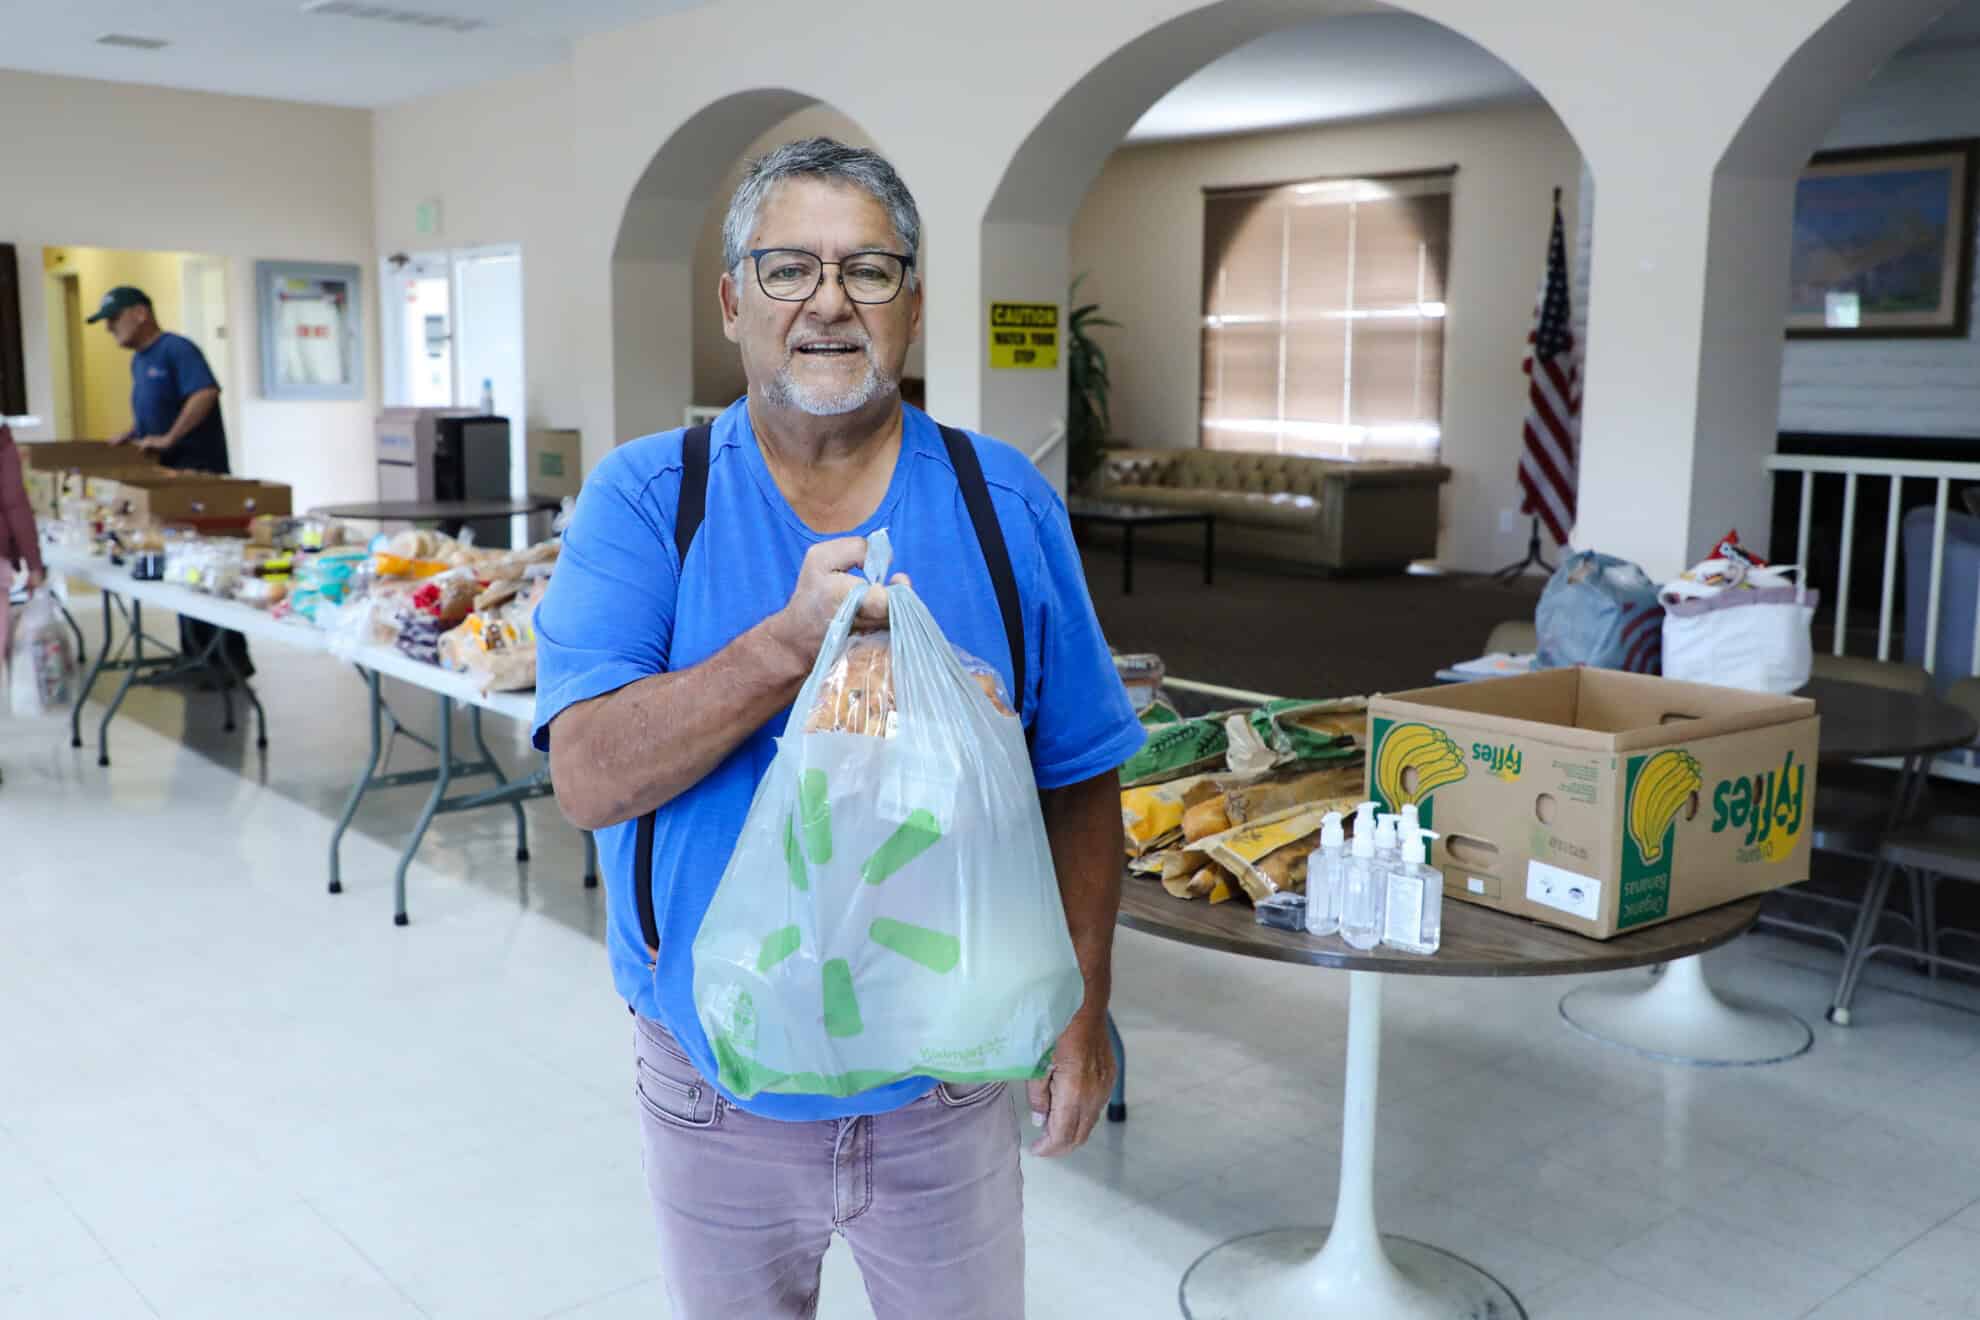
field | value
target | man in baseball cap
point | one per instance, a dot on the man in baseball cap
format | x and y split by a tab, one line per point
175	413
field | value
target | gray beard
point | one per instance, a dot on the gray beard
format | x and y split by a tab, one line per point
785	392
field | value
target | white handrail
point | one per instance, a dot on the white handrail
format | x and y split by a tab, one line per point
1894	471
1053	439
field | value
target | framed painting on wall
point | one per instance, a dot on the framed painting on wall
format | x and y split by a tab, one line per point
310	344
1883	243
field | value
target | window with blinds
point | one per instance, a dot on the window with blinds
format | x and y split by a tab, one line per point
1323	316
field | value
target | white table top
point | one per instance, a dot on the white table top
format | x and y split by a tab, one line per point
252	622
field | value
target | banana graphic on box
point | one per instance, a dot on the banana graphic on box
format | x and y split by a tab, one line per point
1429	752
1666	783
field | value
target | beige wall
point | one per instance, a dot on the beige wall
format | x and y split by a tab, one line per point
497	157
1139	235
113	165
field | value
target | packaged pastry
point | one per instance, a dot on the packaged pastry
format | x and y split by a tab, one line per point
857	695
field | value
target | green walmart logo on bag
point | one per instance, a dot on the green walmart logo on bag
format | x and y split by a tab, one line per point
808	842
1769	806
1502	762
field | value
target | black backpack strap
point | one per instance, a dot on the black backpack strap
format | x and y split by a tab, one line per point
990	536
694	489
687	521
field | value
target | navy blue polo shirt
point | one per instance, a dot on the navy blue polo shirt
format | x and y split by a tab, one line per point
164	374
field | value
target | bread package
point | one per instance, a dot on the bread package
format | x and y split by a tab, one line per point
857	695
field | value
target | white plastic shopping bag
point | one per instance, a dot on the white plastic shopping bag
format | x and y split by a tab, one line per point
1738	624
41	670
891	909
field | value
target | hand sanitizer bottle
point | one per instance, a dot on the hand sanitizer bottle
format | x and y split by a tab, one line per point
1362	893
1413	912
1325	873
1388	843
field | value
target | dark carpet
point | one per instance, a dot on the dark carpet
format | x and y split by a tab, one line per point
1298	636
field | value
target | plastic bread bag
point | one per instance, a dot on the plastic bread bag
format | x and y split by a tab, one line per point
891	909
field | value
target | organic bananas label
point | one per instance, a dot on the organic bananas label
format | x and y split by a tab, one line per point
1658	788
1768	806
1413	761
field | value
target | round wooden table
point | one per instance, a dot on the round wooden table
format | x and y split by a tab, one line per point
1351	1268
1680	1018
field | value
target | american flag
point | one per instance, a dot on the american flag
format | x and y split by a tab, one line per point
1548	464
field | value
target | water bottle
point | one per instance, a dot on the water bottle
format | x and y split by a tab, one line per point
487	397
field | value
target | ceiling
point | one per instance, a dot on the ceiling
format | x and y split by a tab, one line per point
272	48
1325	70
1362	66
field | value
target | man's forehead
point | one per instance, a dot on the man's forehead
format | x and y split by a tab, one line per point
812	212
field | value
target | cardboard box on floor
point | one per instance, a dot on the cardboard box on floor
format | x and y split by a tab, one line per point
1598	801
556	464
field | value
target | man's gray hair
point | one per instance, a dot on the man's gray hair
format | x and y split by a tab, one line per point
819	158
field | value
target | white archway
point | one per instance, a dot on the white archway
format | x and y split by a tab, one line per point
652	265
1025	228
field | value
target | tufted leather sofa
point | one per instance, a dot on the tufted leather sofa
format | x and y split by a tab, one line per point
1314	513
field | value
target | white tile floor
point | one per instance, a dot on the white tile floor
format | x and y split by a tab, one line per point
226	1094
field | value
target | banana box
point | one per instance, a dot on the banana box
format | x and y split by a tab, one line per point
1598	801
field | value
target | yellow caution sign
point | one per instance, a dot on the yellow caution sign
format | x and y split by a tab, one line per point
1024	335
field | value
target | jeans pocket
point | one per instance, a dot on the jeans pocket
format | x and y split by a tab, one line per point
669	1088
969	1095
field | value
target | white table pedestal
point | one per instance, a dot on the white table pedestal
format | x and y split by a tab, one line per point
1351	1270
1680	1018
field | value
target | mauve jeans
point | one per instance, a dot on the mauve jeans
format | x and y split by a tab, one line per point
929	1198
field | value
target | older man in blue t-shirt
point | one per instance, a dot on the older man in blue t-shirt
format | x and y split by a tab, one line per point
663	681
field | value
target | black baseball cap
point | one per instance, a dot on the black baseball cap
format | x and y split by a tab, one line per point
121	298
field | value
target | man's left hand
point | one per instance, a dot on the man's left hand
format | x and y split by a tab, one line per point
155	443
1074	1094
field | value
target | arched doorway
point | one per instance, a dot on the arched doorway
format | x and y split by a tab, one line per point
1497	242
668	352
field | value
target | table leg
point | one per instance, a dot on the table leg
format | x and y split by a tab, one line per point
1209	551
95	670
1127	559
1117	1102
590	860
1351	1269
441	781
1680	1018
481	746
357	789
136	620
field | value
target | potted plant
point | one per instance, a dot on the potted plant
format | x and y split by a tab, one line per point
1088	419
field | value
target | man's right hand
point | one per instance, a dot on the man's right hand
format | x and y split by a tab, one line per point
125	438
823	584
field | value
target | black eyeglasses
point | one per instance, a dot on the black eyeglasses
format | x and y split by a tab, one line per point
793	275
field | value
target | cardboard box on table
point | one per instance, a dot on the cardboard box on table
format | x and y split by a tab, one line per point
1597	801
54	470
199	499
556	464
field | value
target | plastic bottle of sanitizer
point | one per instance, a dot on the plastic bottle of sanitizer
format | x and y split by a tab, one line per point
1362	891
1326	872
1413	909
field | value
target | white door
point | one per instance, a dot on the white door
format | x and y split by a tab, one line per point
419	331
488	347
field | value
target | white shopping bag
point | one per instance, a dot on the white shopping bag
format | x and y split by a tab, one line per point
1738	625
41	669
891	909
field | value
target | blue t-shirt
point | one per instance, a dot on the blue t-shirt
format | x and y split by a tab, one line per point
164	374
620	609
